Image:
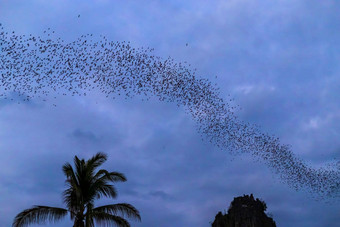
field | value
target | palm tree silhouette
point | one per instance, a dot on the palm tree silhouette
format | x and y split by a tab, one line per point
84	186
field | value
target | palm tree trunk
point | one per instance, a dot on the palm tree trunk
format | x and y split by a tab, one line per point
78	223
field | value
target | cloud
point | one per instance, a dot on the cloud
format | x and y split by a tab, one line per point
160	194
85	135
250	45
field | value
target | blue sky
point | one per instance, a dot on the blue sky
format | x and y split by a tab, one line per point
276	59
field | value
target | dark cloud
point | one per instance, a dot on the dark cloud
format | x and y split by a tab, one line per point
85	135
284	54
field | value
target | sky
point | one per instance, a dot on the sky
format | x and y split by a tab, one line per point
275	60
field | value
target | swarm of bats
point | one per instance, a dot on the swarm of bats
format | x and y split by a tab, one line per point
33	66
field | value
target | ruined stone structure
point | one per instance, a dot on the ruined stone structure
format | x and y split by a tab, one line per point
244	211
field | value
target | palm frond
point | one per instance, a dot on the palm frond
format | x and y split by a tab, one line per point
72	195
110	176
97	160
104	219
79	167
71	176
88	219
72	200
122	209
104	190
89	222
100	187
39	215
68	170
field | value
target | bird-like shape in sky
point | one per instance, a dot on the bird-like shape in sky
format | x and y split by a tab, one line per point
33	66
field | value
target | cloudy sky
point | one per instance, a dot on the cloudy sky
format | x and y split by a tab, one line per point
278	60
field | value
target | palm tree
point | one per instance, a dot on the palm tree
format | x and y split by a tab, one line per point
84	186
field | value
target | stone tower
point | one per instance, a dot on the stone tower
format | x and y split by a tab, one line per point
244	211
